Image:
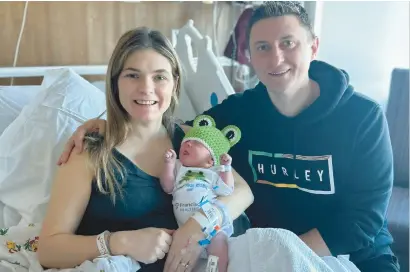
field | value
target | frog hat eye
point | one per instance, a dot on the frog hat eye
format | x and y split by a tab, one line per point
204	121
233	134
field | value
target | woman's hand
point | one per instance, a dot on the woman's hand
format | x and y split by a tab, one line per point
76	140
145	245
185	250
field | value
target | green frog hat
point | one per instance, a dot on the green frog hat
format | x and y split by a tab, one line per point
217	141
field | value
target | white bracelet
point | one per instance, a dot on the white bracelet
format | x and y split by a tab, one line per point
210	211
102	243
208	227
212	264
223	168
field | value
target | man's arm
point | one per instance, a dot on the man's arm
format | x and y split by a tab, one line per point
362	212
76	141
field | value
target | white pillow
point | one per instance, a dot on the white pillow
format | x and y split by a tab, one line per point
100	85
12	101
31	145
14	98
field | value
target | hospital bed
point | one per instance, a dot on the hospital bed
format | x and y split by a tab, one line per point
36	122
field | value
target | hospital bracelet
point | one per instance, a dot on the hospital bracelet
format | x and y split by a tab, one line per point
209	228
223	168
202	220
209	222
103	243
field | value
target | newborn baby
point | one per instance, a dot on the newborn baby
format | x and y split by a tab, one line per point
202	173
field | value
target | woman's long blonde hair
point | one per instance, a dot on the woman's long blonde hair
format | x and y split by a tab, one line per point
104	166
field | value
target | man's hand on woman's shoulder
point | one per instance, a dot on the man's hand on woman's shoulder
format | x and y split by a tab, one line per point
75	143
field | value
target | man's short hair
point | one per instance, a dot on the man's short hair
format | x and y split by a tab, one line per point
271	9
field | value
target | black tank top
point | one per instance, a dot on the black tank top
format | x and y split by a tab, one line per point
144	204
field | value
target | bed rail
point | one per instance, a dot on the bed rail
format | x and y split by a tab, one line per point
39	71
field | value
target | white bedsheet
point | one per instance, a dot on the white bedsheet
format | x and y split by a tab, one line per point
259	250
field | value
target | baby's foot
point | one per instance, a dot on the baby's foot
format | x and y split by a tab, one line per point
226	159
170	156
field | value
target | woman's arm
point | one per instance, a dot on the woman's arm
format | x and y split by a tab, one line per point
59	247
240	199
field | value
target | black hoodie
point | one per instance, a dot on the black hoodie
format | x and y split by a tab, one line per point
329	168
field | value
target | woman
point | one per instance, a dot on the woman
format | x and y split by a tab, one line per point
109	199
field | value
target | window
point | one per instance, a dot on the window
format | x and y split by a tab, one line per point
368	40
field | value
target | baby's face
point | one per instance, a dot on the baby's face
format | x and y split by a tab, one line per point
195	154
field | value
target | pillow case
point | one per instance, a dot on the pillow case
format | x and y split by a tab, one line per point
31	145
12	101
14	98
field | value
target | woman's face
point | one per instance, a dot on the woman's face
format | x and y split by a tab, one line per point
146	85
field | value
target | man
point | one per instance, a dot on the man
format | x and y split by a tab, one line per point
316	154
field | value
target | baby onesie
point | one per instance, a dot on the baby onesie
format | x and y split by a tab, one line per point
193	186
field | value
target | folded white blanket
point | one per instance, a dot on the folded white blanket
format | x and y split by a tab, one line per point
277	250
258	250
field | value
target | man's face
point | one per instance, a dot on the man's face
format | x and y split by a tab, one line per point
281	51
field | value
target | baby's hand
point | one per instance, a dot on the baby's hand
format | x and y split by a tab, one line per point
170	156
226	159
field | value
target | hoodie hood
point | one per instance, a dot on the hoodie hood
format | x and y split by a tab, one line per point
335	90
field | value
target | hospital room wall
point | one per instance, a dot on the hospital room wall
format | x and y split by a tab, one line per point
85	33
